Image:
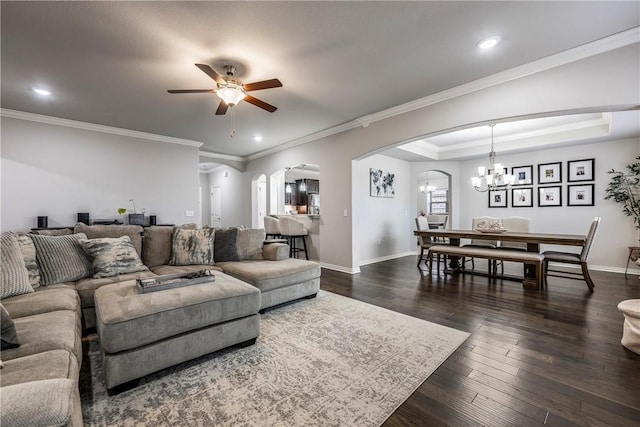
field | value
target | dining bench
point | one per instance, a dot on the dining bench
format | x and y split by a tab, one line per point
528	258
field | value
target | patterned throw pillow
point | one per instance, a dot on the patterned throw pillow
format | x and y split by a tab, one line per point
29	255
112	256
8	334
14	279
192	247
61	258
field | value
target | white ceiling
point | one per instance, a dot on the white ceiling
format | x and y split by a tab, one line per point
111	63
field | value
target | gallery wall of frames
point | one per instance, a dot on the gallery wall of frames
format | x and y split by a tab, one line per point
557	184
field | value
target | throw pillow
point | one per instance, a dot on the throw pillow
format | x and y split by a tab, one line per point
14	278
99	231
225	244
249	242
61	258
55	232
8	334
29	256
112	256
192	247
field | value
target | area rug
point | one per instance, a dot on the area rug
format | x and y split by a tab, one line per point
329	361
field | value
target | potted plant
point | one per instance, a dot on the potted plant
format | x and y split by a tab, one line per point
135	218
624	188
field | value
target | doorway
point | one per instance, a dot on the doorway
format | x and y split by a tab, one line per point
216	206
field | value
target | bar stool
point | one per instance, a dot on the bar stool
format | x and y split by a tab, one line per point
272	227
294	231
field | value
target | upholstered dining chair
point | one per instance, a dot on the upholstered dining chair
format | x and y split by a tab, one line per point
481	243
442	220
424	242
293	231
573	258
515	224
272	227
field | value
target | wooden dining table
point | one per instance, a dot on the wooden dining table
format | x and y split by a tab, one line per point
533	241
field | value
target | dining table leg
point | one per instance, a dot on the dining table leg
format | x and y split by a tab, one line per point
531	279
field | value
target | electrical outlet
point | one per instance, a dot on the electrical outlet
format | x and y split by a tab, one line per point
379	242
345	212
188	213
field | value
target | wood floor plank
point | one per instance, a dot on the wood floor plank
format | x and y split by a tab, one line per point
550	357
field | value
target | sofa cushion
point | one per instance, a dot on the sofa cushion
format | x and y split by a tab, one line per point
40	366
56	330
100	231
86	287
269	275
43	301
8	334
192	246
14	278
29	256
275	251
54	232
249	243
112	256
41	403
61	258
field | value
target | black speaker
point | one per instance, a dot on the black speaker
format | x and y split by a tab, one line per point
83	217
43	222
153	220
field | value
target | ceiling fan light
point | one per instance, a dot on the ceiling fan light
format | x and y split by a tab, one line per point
231	95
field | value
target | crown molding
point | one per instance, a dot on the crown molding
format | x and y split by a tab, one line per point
21	115
219	156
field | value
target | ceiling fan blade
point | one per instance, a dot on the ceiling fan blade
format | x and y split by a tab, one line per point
211	73
222	108
265	84
258	103
191	91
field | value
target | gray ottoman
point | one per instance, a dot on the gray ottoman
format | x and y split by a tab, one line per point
143	333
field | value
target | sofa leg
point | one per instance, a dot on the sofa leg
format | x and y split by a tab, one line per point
123	387
246	343
311	296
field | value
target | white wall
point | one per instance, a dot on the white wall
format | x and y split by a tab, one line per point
584	84
58	171
380	222
616	231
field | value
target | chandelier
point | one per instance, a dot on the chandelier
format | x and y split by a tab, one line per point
495	177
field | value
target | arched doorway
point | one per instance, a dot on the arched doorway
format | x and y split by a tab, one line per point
434	193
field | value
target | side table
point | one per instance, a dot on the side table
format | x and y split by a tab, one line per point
634	254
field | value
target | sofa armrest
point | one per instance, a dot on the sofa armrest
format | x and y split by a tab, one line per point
39	403
275	251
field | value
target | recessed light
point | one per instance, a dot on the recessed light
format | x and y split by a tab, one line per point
42	92
257	138
489	42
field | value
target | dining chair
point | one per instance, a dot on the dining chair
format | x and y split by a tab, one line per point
424	242
441	220
272	227
573	258
481	243
516	224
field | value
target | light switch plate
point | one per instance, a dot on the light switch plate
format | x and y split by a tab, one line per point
188	213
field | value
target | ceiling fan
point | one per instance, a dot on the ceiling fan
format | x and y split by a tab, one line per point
231	90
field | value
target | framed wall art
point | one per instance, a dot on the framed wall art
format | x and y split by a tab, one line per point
522	197
523	175
550	196
550	173
580	195
381	183
580	170
497	198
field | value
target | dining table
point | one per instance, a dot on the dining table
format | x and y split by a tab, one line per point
532	240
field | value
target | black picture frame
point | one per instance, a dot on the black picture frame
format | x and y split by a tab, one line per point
550	196
550	173
580	195
522	197
580	170
523	175
498	198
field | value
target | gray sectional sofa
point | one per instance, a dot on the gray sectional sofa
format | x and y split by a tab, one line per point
39	379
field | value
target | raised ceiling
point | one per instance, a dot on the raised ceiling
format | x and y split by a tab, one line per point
111	63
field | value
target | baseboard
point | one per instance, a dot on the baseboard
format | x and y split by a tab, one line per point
340	268
604	268
386	258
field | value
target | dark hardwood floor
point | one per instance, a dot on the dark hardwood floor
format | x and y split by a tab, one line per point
533	358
